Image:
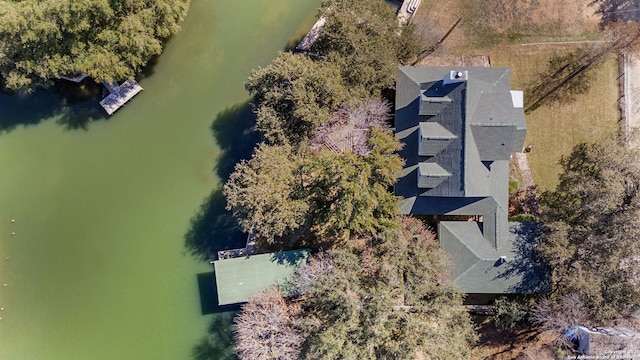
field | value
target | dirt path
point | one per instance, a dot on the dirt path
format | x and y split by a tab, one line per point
525	169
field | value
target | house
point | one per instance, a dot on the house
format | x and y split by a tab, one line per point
459	127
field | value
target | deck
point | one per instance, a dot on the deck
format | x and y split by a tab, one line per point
120	94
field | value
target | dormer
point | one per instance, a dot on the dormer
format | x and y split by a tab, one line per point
433	105
431	175
433	138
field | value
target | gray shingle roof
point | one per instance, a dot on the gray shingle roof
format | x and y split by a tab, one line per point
458	138
478	267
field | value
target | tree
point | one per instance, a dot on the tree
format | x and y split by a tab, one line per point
349	194
507	313
366	41
266	328
321	198
348	129
559	315
265	192
41	40
293	96
593	225
386	300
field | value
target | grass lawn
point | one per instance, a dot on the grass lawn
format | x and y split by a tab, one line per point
497	28
554	128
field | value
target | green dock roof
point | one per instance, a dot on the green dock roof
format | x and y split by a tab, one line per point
239	279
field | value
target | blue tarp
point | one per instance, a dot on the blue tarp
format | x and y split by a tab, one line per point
579	336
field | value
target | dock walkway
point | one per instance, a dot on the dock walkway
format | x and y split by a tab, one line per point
76	78
120	94
405	13
312	36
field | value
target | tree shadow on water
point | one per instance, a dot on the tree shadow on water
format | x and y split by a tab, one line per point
217	344
75	106
213	229
235	132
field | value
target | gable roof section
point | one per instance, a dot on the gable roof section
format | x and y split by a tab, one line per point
481	268
494	141
238	279
433	105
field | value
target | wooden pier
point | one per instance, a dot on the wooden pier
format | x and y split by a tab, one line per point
312	36
76	78
119	94
408	10
236	253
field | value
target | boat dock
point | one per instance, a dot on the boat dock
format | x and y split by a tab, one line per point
119	94
76	77
236	253
312	36
408	10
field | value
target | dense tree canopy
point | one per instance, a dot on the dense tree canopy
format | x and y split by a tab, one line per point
265	194
386	300
349	194
106	39
359	49
593	221
327	196
293	95
366	41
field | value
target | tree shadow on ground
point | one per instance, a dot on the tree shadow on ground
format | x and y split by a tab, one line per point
613	10
565	78
75	105
217	344
527	263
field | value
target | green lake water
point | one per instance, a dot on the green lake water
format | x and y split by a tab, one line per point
98	267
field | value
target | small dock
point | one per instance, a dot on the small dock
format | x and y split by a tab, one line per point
408	10
76	78
312	36
236	253
119	94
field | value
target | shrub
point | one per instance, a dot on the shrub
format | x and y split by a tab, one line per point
513	186
507	313
523	218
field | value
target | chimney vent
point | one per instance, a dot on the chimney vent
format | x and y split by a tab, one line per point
454	77
501	260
